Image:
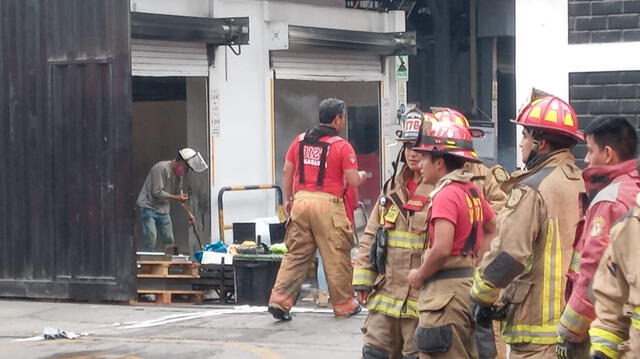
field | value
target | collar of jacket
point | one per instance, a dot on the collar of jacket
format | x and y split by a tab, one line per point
556	158
420	195
598	177
459	175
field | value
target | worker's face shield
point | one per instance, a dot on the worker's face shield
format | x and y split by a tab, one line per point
197	163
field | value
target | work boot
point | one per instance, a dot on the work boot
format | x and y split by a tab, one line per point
323	299
279	314
355	311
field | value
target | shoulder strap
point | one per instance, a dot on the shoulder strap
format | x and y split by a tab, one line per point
535	179
334	139
470	244
323	157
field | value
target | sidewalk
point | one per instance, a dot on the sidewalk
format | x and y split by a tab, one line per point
206	331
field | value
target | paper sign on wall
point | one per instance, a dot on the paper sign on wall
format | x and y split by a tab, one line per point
402	67
214	113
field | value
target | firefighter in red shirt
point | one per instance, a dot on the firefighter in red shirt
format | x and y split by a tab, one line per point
612	185
459	217
317	164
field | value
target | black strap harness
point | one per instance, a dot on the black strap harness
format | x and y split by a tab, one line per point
324	146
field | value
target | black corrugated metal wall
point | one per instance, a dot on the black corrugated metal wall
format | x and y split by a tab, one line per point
66	202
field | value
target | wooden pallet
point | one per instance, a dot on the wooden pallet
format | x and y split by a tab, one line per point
167	269
164	297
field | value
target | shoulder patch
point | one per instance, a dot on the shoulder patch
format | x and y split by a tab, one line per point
515	197
597	226
500	174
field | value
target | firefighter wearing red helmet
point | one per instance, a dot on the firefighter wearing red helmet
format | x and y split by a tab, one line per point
531	253
458	219
488	179
391	246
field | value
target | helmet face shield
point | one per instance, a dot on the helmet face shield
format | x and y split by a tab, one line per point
197	163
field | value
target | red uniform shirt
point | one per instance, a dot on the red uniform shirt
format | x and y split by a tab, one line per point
454	204
411	187
340	157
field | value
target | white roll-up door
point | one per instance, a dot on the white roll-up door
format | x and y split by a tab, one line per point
290	65
168	58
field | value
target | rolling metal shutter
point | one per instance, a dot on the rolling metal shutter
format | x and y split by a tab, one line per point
328	66
168	58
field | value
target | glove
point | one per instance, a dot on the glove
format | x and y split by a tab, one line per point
568	350
562	350
483	316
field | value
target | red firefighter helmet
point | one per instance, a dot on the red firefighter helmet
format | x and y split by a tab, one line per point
552	115
448	138
447	114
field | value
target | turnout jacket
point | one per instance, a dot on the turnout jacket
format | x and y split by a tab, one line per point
612	191
489	181
531	253
616	289
391	294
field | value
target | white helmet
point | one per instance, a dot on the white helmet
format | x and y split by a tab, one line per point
193	159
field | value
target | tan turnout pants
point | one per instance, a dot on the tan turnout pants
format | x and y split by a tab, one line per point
532	351
318	220
446	326
394	336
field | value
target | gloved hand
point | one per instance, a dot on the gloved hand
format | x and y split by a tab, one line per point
562	350
483	316
569	350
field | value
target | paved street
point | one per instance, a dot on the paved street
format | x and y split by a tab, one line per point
132	332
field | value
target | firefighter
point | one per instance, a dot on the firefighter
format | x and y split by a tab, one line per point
612	185
488	179
392	245
531	253
458	218
615	333
319	161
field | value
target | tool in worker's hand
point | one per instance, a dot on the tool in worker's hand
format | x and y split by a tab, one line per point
190	215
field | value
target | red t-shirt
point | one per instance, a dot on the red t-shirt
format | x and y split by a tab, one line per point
411	187
340	157
454	204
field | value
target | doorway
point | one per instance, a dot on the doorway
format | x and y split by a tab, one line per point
296	110
170	113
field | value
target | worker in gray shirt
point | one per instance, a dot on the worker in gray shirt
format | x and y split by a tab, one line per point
164	183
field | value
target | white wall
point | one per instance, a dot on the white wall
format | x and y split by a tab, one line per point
544	57
242	153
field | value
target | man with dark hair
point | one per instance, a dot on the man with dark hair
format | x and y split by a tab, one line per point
320	162
164	183
612	184
459	217
615	289
530	255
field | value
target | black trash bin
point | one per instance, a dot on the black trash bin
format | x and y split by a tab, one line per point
255	277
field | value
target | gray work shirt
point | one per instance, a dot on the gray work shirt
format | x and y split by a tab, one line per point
159	184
